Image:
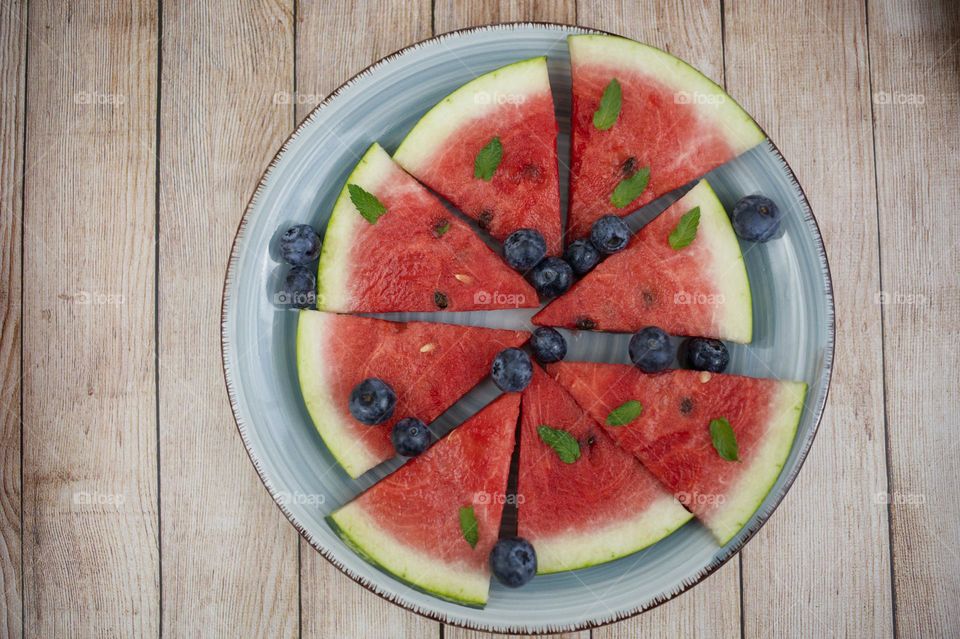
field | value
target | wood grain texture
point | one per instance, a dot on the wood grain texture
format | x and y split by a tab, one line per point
13	54
691	30
449	15
820	566
89	398
915	72
332	604
229	555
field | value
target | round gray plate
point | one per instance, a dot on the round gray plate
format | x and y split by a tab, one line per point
793	330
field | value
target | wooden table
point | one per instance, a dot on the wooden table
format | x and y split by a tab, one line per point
131	136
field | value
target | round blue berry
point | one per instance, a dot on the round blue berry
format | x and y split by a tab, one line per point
609	234
300	245
704	354
511	370
523	249
548	345
300	288
551	277
582	256
650	350
513	561
372	401
410	437
756	218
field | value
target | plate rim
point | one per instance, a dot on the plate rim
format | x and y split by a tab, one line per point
728	552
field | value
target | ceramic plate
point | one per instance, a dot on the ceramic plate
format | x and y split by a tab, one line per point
793	330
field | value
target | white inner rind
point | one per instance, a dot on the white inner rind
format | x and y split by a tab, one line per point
743	499
455	582
710	101
312	368
573	550
333	271
727	268
477	99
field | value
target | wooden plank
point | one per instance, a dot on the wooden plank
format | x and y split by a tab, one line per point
332	604
691	30
229	555
13	52
457	14
91	565
915	72
821	564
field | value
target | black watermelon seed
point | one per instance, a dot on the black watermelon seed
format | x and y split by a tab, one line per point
440	299
628	167
686	405
585	324
486	216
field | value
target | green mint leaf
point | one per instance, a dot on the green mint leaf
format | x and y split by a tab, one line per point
625	413
468	525
724	439
562	442
686	229
609	110
630	188
367	203
487	160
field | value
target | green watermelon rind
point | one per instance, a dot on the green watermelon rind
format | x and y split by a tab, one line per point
756	482
312	372
436	126
739	129
333	270
376	546
576	550
730	276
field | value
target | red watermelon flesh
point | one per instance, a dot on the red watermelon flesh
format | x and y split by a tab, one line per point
602	506
430	366
673	121
672	436
700	290
515	105
409	523
417	256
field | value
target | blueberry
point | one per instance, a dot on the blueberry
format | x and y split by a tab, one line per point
548	345
513	561
512	370
582	256
756	218
300	287
410	437
609	234
551	277
650	350
523	249
300	245
704	354
372	401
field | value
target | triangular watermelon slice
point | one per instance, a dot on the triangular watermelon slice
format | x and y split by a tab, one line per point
673	122
514	105
700	289
429	366
603	506
415	256
409	524
672	434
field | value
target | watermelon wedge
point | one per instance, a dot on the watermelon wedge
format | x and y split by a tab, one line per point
700	289
603	506
430	366
409	524
513	105
673	122
415	256
672	434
